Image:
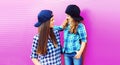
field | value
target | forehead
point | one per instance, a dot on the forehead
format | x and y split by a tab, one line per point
68	15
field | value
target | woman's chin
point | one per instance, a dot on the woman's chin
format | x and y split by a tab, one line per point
51	27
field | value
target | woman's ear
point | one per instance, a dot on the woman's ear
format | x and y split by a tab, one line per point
38	29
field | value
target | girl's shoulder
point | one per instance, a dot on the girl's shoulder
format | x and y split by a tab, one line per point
81	25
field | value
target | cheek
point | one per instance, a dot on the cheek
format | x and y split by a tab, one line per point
69	18
52	23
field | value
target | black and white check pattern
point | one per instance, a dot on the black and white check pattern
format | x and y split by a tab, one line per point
53	56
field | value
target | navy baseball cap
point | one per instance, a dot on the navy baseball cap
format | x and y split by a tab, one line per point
43	16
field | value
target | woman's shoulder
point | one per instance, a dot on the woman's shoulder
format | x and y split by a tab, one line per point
35	40
36	36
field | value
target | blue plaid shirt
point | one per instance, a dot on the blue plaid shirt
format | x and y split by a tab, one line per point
71	40
53	56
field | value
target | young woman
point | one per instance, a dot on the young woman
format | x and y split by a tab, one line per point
46	49
74	36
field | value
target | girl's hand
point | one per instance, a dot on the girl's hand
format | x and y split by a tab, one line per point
64	24
78	55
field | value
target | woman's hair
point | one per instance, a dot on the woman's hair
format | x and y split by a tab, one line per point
45	33
73	25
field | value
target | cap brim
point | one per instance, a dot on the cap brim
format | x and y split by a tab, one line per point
78	18
37	24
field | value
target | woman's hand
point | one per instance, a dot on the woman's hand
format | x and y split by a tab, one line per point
35	61
78	55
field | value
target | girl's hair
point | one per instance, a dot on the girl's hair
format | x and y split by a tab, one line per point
45	33
73	25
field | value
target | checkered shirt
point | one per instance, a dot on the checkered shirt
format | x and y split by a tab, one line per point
53	56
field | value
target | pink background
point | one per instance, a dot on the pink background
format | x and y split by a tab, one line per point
102	20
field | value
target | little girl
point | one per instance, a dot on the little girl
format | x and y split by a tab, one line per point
74	36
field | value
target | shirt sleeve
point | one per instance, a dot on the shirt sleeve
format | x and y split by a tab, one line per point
82	32
59	28
58	39
34	48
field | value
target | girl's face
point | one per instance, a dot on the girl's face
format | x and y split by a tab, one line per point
69	18
52	22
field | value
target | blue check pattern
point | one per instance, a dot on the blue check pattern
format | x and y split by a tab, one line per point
71	40
53	56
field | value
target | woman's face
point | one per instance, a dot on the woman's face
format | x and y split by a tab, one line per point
52	22
69	18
